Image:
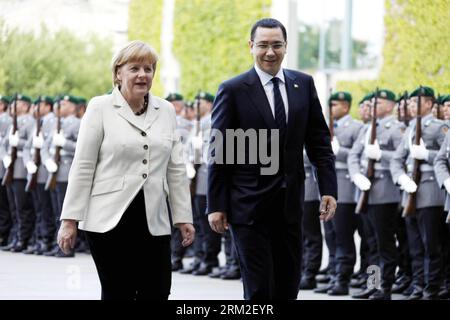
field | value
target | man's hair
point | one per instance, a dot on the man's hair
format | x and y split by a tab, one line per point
268	23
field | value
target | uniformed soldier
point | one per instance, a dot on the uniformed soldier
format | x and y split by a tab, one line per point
45	217
210	241
81	106
23	200
345	134
5	212
442	172
66	139
367	252
383	194
404	273
425	233
312	234
184	128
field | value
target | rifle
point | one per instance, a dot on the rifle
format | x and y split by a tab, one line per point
410	207
51	180
197	153
330	116
361	206
32	181
9	174
405	108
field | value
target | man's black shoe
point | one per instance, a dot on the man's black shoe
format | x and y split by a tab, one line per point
338	289
381	294
364	294
308	283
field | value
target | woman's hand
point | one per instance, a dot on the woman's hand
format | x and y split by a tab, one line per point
67	234
187	232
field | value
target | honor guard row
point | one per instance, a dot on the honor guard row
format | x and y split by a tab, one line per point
37	145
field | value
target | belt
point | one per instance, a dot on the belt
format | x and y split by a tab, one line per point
424	167
341	165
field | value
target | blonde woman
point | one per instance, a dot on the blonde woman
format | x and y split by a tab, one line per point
128	161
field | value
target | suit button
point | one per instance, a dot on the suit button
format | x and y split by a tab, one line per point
144	161
145	147
144	176
143	133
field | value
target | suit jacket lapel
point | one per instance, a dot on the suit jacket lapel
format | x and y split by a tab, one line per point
292	90
152	113
124	110
258	97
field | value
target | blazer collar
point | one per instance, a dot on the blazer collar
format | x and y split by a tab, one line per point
124	110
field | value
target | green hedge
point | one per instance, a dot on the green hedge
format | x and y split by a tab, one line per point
145	19
416	49
211	40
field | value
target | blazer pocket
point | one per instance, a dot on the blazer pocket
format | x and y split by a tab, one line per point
107	186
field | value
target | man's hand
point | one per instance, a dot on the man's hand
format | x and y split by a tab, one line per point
361	182
327	208
59	140
51	166
218	221
407	183
38	141
373	151
419	152
187	233
14	139
335	146
31	167
67	235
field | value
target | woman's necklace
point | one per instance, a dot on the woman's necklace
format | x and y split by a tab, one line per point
144	107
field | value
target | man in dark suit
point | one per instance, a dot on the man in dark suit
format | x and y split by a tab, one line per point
264	209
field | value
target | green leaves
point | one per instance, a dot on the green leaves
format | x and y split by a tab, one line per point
52	64
416	49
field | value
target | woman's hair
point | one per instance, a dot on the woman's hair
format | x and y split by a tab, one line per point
134	51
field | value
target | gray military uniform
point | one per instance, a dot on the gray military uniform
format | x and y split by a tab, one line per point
428	194
346	132
47	127
5	122
311	187
442	168
25	130
389	135
202	172
70	127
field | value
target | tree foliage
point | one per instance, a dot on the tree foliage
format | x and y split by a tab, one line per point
211	40
416	50
51	64
145	20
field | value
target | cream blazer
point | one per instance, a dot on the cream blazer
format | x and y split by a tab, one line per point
117	154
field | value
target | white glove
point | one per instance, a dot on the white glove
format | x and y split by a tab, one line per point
419	152
6	161
38	141
59	140
50	165
373	151
31	167
197	142
407	183
361	182
447	185
190	171
14	139
335	145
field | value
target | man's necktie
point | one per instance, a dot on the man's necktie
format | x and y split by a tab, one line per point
280	113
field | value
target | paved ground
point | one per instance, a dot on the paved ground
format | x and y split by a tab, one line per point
37	277
29	277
